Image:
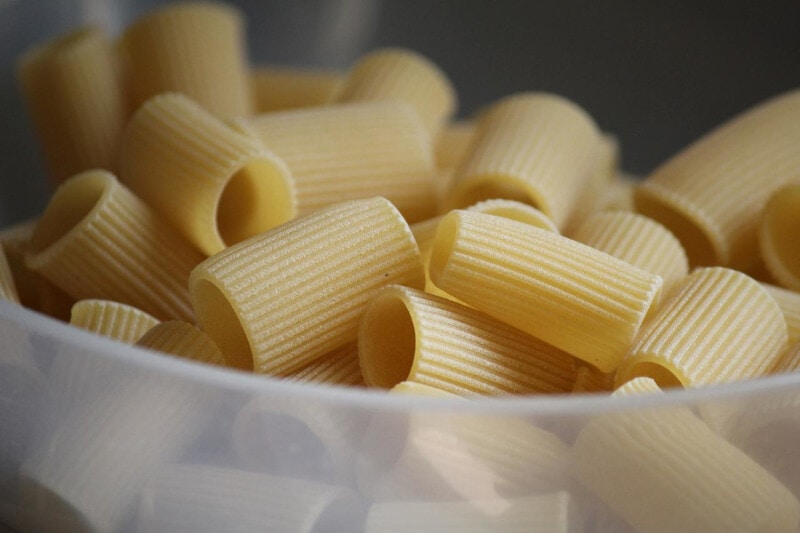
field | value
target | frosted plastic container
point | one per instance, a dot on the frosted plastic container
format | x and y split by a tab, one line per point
99	436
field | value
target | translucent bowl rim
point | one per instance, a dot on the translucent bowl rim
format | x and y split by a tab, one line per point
372	399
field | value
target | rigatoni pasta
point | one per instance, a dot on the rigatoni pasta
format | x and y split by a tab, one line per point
193	48
278	88
121	322
282	299
407	335
344	152
97	240
532	147
778	237
338	367
720	325
215	186
396	74
574	297
76	101
183	340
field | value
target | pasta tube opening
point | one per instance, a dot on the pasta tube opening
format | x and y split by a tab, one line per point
222	324
664	377
71	203
445	236
246	206
688	227
778	236
387	342
491	186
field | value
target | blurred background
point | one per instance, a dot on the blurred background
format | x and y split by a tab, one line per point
657	75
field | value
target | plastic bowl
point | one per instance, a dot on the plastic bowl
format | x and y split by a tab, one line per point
99	436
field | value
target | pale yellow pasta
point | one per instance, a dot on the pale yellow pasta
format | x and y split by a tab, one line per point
789	302
639	240
121	322
718	326
789	361
343	152
215	186
282	299
277	88
97	240
664	470
710	194
267	430
8	290
532	147
552	513
339	367
779	236
618	194
581	300
408	335
183	340
193	48
449	456
415	388
602	173
197	497
453	143
75	99
589	379
396	74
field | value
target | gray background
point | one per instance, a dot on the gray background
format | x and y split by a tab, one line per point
657	75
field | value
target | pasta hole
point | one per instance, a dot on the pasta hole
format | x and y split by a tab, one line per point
490	187
222	324
779	230
387	343
72	202
256	198
442	246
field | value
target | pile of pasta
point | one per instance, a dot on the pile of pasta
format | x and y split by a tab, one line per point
342	228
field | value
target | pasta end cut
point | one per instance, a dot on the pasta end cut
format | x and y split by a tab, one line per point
387	342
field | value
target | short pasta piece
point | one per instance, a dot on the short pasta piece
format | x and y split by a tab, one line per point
282	299
121	322
193	48
76	101
339	367
197	497
789	302
578	299
215	186
8	290
720	325
664	470
183	340
532	147
408	335
344	152
710	194
396	74
554	512
277	88
778	236
97	240
638	240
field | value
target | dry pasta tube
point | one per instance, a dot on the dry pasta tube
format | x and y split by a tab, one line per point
102	477
710	195
183	498
396	74
279	88
664	470
271	434
214	185
183	340
97	240
578	299
339	367
8	290
638	240
122	322
789	302
720	325
285	298
344	152
446	456
193	48
75	98
778	236
408	335
554	512
532	147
